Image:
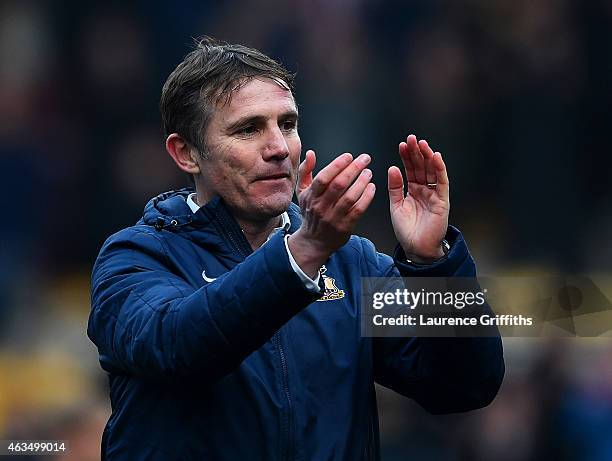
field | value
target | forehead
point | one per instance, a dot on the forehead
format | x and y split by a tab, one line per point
259	96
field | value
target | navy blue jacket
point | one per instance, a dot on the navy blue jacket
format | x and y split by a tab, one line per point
251	366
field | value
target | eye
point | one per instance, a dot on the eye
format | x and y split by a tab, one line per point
247	130
289	125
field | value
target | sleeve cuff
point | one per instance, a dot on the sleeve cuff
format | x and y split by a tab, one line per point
448	265
310	284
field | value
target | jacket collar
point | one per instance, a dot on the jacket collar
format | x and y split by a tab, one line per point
284	224
212	222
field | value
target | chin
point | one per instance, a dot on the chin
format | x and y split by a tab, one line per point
273	205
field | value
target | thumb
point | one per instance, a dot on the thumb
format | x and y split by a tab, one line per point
395	183
305	172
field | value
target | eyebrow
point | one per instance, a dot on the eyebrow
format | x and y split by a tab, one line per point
288	115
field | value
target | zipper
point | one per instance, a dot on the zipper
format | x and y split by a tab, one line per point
228	227
288	416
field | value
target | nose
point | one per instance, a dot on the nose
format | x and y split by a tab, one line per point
275	147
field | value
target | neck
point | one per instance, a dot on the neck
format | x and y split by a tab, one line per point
256	232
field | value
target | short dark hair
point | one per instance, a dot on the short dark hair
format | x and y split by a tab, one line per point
209	74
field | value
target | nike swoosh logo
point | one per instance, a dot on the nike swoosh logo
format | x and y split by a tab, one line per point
207	279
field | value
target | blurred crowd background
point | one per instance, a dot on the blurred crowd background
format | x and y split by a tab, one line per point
516	94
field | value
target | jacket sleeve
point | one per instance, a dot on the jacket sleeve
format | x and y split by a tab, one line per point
444	375
147	321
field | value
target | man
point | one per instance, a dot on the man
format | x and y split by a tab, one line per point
211	315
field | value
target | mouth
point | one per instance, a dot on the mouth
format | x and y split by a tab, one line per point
273	177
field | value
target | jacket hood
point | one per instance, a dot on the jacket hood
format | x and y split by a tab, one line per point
167	207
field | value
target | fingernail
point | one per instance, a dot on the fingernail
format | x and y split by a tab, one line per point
364	159
367	172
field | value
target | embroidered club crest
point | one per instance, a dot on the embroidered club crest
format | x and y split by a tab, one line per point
331	290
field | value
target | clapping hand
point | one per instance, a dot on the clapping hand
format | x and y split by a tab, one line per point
420	217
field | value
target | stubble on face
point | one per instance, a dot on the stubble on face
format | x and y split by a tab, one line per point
254	151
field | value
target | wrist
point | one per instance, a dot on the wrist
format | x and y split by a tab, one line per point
308	255
429	257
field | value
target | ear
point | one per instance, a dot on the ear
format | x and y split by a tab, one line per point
182	153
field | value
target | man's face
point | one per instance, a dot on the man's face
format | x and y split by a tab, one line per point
254	150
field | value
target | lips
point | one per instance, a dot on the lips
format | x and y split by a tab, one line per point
273	176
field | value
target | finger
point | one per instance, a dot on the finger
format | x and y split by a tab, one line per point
327	174
443	187
345	178
363	203
408	167
353	193
395	184
430	171
416	159
305	171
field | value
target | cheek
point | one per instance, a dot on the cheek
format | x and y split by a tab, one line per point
295	149
229	160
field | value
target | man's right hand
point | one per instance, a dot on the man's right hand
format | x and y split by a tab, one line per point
331	205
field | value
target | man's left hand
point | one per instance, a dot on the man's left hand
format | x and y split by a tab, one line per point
419	218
